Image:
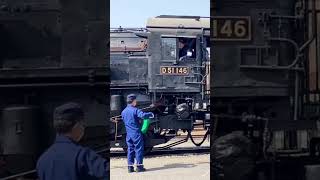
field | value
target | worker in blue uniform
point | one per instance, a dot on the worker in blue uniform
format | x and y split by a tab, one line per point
132	116
66	159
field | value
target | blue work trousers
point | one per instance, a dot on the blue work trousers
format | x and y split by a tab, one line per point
135	148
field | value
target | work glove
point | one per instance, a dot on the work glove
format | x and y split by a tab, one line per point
151	115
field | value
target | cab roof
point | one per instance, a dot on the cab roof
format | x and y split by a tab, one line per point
168	25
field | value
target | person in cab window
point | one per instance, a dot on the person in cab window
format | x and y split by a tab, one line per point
183	47
187	48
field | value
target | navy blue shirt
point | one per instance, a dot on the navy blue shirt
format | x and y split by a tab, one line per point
183	51
131	116
66	160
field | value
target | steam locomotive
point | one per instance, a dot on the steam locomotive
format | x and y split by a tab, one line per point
174	86
265	89
52	52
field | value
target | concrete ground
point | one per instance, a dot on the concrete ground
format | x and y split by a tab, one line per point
166	167
176	167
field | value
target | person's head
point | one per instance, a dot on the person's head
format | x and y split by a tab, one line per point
132	99
69	120
182	43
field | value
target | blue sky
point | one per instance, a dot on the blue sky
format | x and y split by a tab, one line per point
134	13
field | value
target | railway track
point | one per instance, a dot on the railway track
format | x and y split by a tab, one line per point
170	151
182	144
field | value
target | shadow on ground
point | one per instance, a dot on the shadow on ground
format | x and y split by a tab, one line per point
172	166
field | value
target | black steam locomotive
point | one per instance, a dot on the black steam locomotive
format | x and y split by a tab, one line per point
150	63
52	52
265	89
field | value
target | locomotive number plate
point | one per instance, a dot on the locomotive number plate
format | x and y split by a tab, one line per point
174	70
229	28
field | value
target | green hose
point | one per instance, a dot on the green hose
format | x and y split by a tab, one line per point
145	126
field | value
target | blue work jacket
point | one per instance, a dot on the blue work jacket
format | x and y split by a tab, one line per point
66	160
131	117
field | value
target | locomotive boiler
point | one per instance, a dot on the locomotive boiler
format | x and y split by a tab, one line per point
149	62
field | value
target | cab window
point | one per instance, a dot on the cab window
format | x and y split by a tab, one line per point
177	48
187	47
169	48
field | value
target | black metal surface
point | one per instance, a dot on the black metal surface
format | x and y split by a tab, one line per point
273	75
229	56
19	130
117	104
51	52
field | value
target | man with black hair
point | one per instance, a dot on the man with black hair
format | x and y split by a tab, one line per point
183	47
131	117
66	159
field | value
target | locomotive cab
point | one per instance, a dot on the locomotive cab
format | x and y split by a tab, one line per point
177	54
